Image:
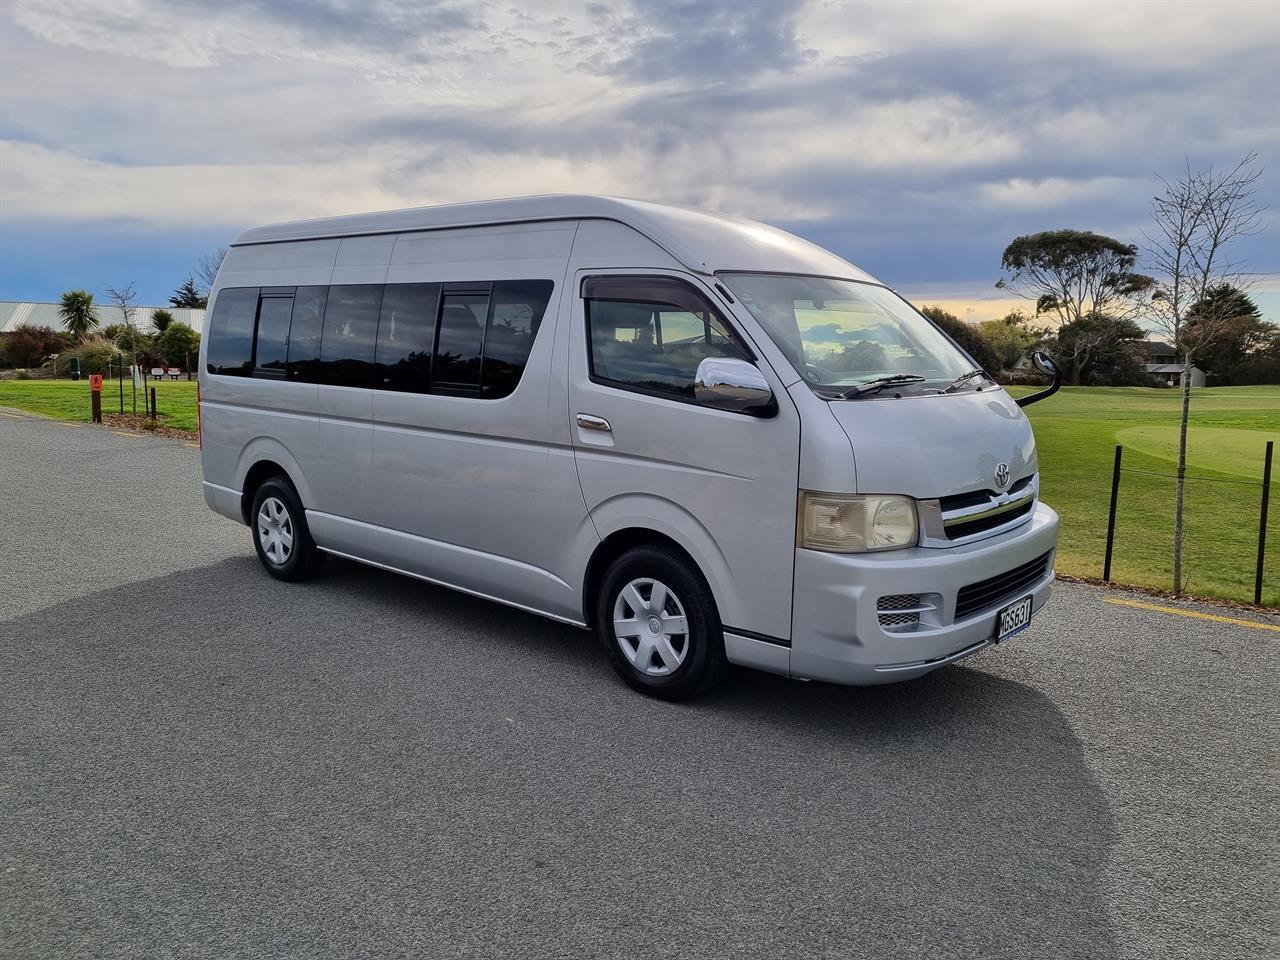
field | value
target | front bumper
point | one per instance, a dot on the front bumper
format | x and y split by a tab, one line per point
836	630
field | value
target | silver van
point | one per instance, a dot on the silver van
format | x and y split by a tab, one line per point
702	437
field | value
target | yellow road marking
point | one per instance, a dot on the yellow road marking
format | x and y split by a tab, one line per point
121	433
1194	614
193	446
13	416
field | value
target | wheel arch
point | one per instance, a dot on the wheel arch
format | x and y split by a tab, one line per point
262	459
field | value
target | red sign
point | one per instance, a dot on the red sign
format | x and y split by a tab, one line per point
95	382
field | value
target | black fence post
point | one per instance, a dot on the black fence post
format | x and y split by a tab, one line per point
1111	516
1262	522
120	380
153	403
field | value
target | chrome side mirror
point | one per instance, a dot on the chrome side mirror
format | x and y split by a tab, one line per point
727	383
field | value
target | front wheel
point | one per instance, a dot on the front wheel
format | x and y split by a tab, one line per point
280	532
658	621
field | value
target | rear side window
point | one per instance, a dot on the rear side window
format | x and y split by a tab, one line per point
231	326
650	334
406	335
304	334
350	332
272	345
515	313
459	342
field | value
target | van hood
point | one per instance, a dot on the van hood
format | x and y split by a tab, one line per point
936	445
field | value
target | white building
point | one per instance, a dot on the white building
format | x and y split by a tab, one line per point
22	313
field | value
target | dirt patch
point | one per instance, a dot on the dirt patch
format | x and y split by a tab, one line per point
143	424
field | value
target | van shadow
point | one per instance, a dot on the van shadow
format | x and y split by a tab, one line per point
367	760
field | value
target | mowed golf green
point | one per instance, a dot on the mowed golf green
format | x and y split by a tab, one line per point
1077	431
69	399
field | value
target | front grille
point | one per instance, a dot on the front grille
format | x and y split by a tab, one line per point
966	528
996	590
980	498
900	612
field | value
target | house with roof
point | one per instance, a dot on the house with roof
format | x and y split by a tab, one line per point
1162	363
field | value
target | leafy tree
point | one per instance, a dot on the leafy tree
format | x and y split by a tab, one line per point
161	319
1100	350
27	346
1073	274
1239	330
967	335
77	313
177	345
1011	337
188	295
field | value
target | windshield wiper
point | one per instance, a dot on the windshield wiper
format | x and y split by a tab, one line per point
878	384
964	378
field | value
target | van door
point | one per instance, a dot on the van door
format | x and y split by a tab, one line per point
721	484
473	475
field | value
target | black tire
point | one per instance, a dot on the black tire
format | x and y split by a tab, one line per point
702	646
303	560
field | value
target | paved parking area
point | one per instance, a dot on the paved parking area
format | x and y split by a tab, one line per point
198	761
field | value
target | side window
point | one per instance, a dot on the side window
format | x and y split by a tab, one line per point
271	349
651	334
459	342
514	316
304	334
406	332
230	350
350	331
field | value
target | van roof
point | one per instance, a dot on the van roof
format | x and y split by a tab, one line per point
703	241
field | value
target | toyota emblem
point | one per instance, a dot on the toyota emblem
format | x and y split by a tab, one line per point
1002	475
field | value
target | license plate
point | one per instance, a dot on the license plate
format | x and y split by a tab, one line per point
1013	619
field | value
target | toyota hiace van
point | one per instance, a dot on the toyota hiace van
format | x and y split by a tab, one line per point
702	437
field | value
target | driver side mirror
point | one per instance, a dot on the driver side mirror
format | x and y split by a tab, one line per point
728	383
1044	363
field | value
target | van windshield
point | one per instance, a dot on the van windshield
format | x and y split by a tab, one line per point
841	333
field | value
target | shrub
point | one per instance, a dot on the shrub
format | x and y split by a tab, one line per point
23	375
28	346
94	354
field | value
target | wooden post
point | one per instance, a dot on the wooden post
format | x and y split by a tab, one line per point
1111	516
95	396
1262	522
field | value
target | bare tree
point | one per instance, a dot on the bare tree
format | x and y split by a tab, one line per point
207	269
126	301
1195	220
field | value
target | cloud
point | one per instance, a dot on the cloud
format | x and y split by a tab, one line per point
917	139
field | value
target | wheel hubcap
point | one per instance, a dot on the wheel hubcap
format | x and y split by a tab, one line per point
275	530
651	628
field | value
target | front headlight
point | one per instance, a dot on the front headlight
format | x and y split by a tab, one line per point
848	523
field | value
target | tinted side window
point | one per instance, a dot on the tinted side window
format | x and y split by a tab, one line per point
350	330
304	334
654	346
406	333
271	349
515	313
459	342
231	332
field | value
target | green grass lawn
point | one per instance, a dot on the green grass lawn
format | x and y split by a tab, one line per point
1076	431
69	399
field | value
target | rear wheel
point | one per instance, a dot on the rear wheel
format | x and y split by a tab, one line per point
280	532
658	621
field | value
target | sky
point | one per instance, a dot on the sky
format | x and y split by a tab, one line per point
914	139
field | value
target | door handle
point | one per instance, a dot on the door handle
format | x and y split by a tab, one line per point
587	422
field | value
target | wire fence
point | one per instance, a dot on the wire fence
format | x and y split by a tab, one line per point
1216	527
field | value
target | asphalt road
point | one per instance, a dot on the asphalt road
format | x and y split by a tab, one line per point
198	761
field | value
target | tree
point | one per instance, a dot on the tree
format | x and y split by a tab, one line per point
1073	274
1102	350
207	269
160	319
967	335
1194	222
1243	333
177	345
188	295
126	301
27	346
77	314
1011	337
